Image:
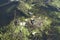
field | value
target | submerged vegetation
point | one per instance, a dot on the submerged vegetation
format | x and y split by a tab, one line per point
30	20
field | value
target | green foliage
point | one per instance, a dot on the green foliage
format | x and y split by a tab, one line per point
46	22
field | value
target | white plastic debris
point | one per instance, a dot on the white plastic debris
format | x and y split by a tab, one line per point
26	19
32	4
39	17
34	33
30	13
22	23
